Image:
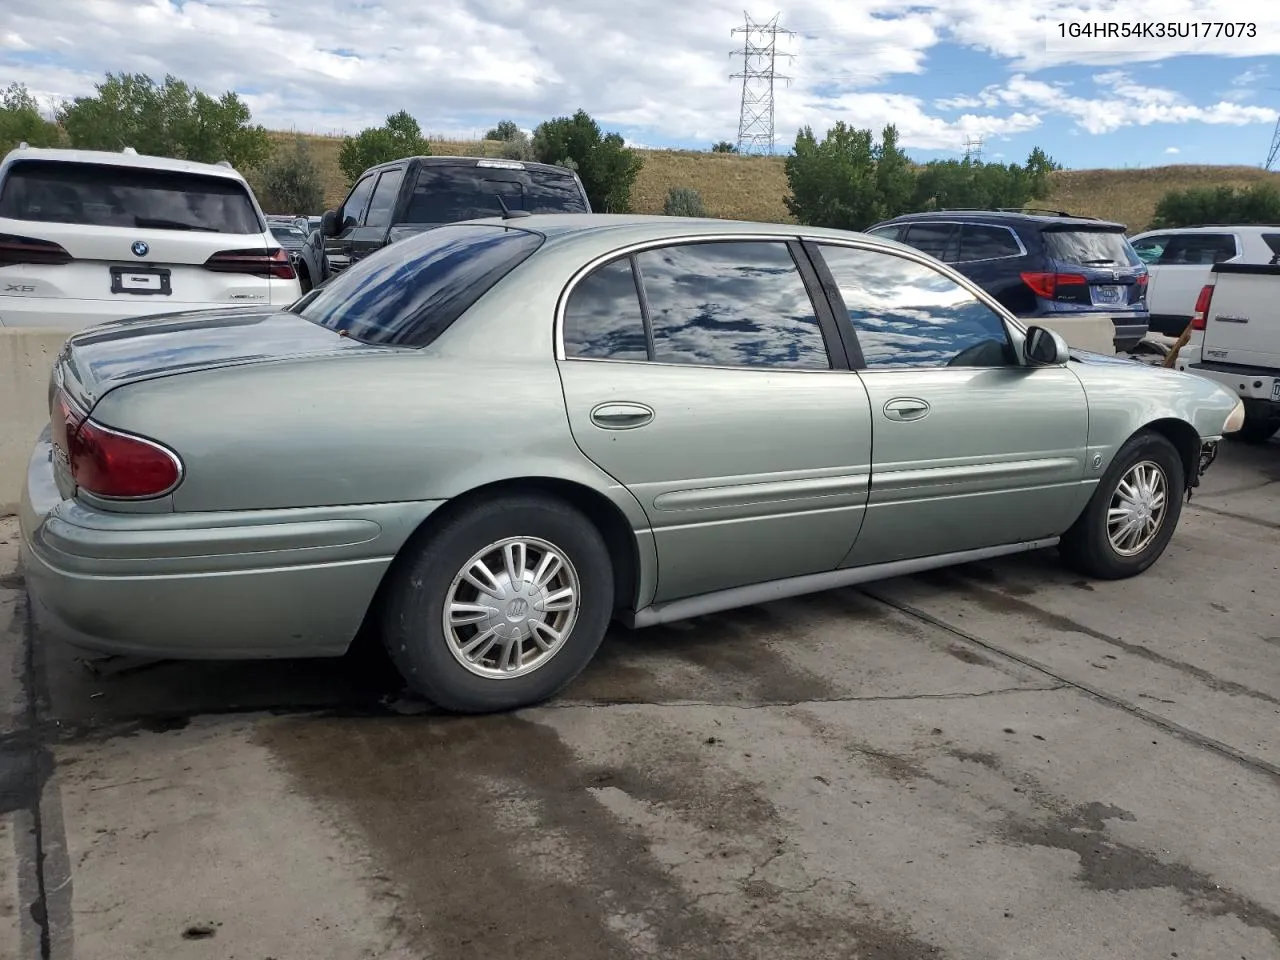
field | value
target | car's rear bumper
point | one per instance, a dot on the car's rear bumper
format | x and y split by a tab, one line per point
225	585
1128	326
64	313
1258	387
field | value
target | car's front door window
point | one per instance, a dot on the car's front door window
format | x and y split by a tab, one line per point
907	314
357	200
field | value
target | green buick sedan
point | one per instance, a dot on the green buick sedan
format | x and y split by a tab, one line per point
488	441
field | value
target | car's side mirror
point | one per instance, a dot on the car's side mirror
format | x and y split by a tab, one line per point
329	223
1045	348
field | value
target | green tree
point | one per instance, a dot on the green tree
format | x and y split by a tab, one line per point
1259	203
505	130
684	202
724	146
846	180
607	167
291	181
399	137
169	119
22	122
966	183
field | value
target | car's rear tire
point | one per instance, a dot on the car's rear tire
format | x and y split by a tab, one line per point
1255	430
304	278
550	575
1133	513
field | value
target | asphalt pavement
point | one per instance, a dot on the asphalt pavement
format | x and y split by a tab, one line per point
997	762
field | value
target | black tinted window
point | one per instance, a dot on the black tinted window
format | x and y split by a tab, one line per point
384	198
356	200
1088	248
910	315
886	233
941	240
1198	249
731	304
409	292
981	242
445	194
603	318
105	195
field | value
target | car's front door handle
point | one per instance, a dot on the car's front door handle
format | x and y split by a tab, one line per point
906	408
621	416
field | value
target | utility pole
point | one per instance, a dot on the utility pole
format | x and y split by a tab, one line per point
973	149
759	72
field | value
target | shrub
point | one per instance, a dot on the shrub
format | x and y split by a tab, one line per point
684	202
608	168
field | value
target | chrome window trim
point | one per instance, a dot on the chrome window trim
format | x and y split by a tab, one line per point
1013	326
1022	250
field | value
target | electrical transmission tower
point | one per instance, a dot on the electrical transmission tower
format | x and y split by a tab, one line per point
973	149
759	73
1275	147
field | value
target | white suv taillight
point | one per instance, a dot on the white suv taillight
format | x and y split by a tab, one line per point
18	250
258	263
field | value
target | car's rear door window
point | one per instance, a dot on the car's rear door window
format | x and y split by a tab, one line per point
110	195
907	314
1272	240
1091	248
409	292
940	240
1198	249
731	304
603	319
980	241
724	303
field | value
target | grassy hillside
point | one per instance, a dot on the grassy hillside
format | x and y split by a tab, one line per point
752	188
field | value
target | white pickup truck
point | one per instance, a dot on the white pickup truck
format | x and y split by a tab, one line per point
1235	340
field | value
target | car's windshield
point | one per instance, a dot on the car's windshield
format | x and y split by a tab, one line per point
1091	247
447	194
288	233
409	292
111	195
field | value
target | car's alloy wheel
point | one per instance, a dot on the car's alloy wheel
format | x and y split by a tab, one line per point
500	605
511	607
1132	514
1138	508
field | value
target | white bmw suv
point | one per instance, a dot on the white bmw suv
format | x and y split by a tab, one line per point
90	236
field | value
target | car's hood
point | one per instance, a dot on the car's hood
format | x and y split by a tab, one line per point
1088	356
123	351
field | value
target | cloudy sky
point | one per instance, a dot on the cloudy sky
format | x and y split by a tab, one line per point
659	71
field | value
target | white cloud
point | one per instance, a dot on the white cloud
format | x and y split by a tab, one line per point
1249	77
659	70
1172	150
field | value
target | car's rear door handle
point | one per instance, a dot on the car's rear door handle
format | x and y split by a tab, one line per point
621	416
906	408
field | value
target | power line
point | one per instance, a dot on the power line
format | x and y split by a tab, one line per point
973	149
759	72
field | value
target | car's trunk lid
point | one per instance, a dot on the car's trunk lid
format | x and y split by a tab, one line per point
113	354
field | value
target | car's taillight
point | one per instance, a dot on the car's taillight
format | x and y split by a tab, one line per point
111	463
1047	285
16	250
64	419
1142	279
1200	318
259	263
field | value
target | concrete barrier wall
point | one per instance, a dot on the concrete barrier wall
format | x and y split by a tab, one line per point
26	360
27	355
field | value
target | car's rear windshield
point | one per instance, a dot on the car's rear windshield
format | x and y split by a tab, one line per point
409	292
287	233
1087	248
106	195
447	194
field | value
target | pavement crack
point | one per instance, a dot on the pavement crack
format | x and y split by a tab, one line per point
1194	737
1243	518
776	704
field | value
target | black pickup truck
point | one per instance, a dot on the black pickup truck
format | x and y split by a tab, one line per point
406	196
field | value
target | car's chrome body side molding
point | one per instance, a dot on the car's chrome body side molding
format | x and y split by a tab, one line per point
722	600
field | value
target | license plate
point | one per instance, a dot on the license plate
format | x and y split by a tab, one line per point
1275	390
143	281
1109	294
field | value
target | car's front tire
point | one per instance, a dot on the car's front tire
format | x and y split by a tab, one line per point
501	606
1132	515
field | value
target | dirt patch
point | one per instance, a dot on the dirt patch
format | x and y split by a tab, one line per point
1108	865
980	757
968	655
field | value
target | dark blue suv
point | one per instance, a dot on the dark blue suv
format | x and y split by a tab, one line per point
1037	264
